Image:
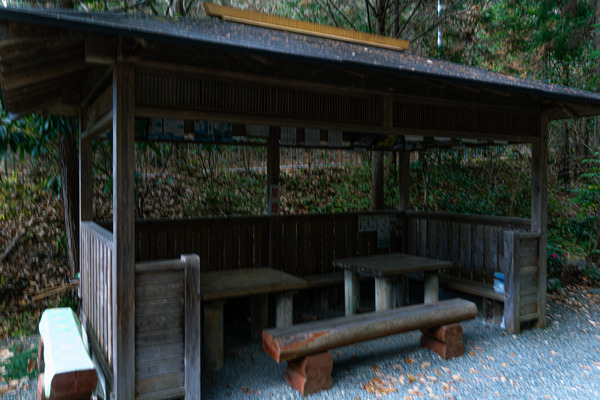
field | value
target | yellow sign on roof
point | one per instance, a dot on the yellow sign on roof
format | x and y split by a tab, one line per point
306	28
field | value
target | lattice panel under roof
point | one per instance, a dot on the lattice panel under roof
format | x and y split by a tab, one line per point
195	93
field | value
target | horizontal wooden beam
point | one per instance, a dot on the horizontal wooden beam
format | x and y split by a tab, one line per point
48	74
303	27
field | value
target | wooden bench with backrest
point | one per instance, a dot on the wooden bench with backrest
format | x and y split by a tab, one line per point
306	346
69	372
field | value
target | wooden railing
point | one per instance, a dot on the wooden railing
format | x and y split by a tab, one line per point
167	328
306	243
523	287
472	242
96	289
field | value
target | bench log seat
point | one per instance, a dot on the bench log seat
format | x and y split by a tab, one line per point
68	371
306	346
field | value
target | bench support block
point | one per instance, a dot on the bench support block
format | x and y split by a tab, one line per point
446	340
310	374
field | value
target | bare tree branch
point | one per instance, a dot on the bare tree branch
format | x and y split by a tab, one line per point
412	14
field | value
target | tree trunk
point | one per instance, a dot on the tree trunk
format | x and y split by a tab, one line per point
597	121
69	173
564	173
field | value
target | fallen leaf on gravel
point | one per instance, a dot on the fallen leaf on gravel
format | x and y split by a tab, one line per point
409	360
425	364
553	352
31	364
13	383
446	370
503	378
473	371
411	378
503	365
471	353
375	368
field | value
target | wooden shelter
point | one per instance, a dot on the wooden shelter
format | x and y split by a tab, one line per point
110	69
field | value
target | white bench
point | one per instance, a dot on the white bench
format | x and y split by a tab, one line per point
68	370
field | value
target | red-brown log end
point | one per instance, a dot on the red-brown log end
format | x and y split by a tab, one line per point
271	346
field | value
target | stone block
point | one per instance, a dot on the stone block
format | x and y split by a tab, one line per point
310	374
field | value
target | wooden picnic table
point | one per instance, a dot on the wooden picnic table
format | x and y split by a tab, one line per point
385	268
218	286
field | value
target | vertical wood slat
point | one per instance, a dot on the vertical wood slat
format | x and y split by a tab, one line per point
491	253
443	240
455	247
96	279
412	236
465	251
290	247
193	327
432	248
327	246
478	243
422	238
315	248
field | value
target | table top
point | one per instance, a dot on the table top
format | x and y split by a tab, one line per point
390	264
219	285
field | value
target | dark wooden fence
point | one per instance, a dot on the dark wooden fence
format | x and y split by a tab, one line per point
306	244
473	243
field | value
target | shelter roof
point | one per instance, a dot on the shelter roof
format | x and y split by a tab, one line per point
36	65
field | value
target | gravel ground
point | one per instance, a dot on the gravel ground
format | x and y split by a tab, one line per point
560	362
23	389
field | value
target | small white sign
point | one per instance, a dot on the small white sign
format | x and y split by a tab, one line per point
334	138
288	135
367	223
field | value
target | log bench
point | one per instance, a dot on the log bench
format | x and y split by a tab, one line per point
68	371
306	346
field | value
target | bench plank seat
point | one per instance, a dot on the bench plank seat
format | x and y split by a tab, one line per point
475	288
293	342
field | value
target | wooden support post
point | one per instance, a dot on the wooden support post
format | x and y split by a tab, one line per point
351	291
284	310
432	287
272	197
193	326
213	334
383	294
86	189
539	210
404	194
259	315
404	181
123	266
377	200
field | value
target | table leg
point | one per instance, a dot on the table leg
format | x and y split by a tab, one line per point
259	316
213	334
432	286
383	294
351	291
284	309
